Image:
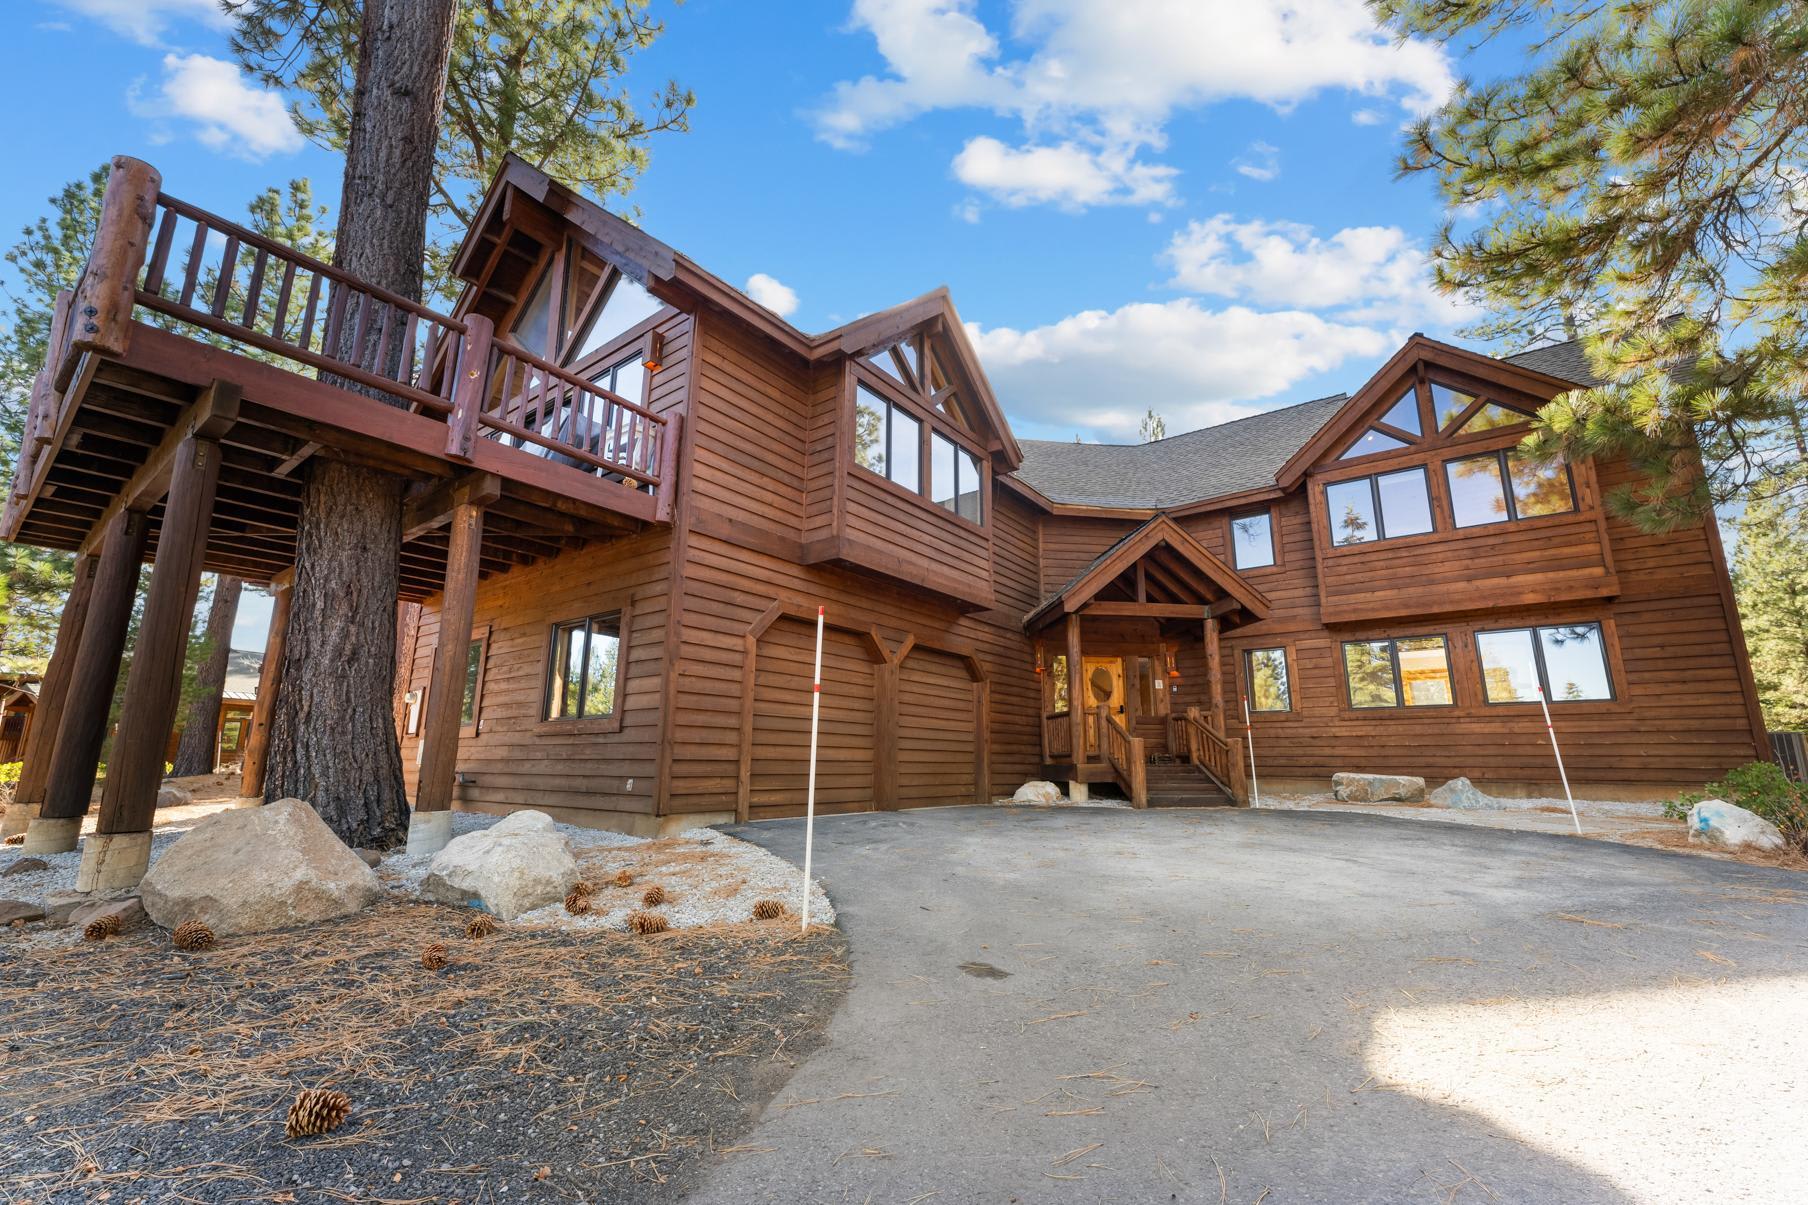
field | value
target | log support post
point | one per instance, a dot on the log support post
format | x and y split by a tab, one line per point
118	853
430	827
102	319
74	753
470	387
269	681
1076	707
1214	673
40	738
885	735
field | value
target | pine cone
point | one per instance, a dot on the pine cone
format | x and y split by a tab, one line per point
192	935
16	839
481	925
768	910
576	902
582	887
434	957
102	927
317	1111
624	879
646	923
653	896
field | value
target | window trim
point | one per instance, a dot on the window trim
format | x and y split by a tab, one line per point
1544	678
1500	456
1246	656
1274	540
1374	484
587	724
892	394
1399	705
480	634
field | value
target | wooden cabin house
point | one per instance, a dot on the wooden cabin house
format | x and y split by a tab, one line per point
633	487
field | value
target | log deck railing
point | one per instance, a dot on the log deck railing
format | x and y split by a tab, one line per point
1191	735
253	295
1124	753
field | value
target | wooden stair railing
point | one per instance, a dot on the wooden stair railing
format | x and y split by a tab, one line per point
1123	752
1211	752
1057	736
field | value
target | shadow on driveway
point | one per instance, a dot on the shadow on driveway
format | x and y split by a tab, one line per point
1083	1005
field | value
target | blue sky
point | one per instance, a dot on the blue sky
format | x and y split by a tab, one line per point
1184	205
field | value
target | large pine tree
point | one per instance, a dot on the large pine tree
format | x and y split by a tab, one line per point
1770	576
1644	176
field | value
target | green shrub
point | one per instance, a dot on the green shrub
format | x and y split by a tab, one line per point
1760	787
9	773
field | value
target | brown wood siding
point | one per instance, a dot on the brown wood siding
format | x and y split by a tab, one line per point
515	758
1070	544
781	722
749	429
906	539
937	730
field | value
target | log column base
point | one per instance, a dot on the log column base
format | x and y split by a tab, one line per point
1077	792
428	832
113	861
18	818
45	835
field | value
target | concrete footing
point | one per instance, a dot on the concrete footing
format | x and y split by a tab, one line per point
428	832
47	836
1077	792
17	820
113	861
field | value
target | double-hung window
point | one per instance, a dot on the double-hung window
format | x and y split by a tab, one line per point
1381	507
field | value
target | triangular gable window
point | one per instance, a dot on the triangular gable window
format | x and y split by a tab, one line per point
626	305
1404	415
1449	404
1492	417
916	363
886	361
1372	441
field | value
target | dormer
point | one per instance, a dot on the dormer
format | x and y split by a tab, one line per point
910	438
1422	503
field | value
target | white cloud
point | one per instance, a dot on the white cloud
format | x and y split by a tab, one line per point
145	21
1065	174
1101	370
1367	117
1262	161
226	111
1108	74
779	298
1366	273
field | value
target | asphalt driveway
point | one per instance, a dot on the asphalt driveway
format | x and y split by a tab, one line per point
1085	1005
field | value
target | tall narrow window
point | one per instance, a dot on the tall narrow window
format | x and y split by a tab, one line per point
1408	671
1252	540
1057	684
869	430
582	672
904	451
1265	670
467	716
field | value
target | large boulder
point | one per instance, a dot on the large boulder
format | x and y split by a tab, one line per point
173	797
252	870
1037	792
1729	826
1377	788
516	865
1461	793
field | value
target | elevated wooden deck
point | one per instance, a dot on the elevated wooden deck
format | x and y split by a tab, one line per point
175	302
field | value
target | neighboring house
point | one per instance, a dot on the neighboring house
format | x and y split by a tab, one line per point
18	704
639	486
237	700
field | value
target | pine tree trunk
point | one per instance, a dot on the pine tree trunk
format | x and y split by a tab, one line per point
200	729
332	739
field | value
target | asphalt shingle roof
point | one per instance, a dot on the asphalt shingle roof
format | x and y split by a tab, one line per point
1563	360
1208	463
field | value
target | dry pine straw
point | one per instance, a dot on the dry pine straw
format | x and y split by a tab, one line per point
614	1059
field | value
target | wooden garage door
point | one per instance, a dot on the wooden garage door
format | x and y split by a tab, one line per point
781	722
937	730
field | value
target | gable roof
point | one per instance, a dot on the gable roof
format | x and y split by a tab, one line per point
1212	462
667	273
1566	361
1158	533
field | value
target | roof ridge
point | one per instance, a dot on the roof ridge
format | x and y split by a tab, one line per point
1329	397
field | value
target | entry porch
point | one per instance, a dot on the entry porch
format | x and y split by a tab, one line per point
1116	707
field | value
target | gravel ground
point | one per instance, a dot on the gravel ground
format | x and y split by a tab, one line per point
540	1065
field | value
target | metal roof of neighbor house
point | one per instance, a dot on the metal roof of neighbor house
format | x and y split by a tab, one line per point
1232	457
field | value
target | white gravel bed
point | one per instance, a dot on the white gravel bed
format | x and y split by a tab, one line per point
1326	801
34	886
709	878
